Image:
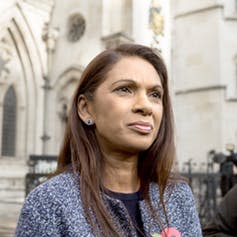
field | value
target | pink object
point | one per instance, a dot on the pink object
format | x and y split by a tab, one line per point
170	232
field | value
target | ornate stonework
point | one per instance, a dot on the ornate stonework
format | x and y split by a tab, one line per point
76	27
156	20
116	39
50	36
5	57
156	23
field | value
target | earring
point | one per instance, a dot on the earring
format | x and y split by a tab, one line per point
89	122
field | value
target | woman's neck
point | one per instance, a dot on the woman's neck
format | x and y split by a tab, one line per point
120	174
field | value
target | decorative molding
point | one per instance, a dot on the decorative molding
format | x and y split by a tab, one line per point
63	113
116	39
45	137
46	85
50	37
231	18
26	23
200	89
199	10
5	57
74	71
156	24
45	5
204	89
156	19
232	99
72	68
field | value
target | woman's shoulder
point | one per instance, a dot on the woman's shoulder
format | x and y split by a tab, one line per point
57	188
53	208
179	186
179	195
180	207
175	189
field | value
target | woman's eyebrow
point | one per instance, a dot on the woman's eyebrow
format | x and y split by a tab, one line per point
157	87
133	82
124	80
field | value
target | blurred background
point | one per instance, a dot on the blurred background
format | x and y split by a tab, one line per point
46	44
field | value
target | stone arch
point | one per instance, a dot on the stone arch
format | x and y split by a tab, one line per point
64	87
28	81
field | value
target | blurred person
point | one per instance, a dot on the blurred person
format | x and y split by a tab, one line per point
227	173
114	170
224	223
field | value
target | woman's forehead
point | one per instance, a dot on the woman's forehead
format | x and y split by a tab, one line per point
133	68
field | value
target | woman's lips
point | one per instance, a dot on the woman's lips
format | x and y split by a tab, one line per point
141	127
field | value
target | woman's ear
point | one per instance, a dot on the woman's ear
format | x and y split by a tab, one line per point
83	108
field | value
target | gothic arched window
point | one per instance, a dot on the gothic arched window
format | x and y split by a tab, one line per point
9	123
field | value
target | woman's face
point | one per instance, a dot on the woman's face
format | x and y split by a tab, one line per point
127	107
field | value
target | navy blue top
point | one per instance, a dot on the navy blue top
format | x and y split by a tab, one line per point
131	202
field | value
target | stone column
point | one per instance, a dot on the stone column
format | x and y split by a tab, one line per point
49	36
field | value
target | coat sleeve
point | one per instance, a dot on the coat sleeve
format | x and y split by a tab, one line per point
224	223
190	221
40	216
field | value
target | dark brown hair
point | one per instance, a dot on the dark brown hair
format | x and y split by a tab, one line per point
81	150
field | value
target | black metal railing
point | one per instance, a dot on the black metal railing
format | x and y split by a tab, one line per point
206	190
205	185
40	167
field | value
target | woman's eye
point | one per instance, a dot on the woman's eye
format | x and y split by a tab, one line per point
123	90
156	95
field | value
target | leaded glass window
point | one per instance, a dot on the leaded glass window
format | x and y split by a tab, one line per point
9	123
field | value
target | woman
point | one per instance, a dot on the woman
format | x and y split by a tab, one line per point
114	170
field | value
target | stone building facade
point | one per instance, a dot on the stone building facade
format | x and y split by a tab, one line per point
204	72
44	46
22	66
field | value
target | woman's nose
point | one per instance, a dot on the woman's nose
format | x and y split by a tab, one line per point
142	105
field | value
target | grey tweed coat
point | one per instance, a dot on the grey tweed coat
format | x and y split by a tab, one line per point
55	209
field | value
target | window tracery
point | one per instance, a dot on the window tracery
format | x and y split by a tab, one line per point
9	123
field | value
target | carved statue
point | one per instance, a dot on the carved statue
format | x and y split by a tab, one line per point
156	20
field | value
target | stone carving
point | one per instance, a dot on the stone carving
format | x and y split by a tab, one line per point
156	20
76	27
116	39
5	57
50	36
63	113
156	23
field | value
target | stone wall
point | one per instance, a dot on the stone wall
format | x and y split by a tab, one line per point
204	74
